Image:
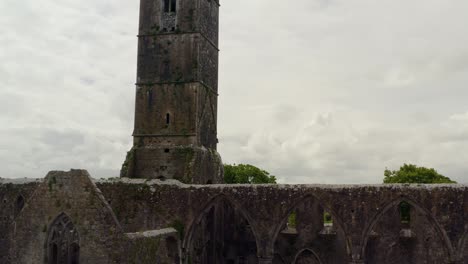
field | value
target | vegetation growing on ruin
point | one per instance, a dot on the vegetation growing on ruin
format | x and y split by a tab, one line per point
409	173
52	181
145	250
179	227
292	220
189	154
128	160
246	174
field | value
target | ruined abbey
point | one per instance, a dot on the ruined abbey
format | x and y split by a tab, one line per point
170	207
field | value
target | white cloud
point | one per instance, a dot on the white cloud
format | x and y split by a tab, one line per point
459	117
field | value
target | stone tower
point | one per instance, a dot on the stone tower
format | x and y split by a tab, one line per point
175	133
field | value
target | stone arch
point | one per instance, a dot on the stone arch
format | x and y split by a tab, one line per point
309	251
462	253
62	242
337	222
217	200
441	234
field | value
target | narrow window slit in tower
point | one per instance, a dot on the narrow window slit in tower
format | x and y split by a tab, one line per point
173	6
19	205
170	6
166	6
149	94
168	119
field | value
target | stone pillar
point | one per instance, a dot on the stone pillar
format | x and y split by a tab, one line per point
265	260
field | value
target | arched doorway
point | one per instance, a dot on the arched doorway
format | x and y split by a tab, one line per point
221	235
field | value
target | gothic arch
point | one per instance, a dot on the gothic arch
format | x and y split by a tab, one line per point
336	219
307	250
213	201
463	246
207	208
378	216
63	242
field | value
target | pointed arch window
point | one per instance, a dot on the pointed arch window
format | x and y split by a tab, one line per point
169	13
63	242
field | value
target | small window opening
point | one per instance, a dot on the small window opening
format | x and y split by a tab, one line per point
327	219
292	220
173	6
405	212
19	205
161	178
166	6
170	6
166	150
168	119
209	182
173	29
149	94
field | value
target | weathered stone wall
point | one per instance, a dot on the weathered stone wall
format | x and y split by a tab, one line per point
169	221
208	21
13	196
365	228
156	246
176	93
75	196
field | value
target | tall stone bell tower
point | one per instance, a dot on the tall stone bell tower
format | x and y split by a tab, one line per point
175	133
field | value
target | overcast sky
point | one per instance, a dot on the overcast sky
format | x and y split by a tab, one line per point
314	91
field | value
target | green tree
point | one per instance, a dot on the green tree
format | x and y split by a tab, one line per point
409	173
246	174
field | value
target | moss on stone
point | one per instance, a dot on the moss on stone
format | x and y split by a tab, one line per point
52	181
145	250
189	154
179	227
126	164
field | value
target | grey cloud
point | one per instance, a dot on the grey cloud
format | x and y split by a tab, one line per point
62	140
